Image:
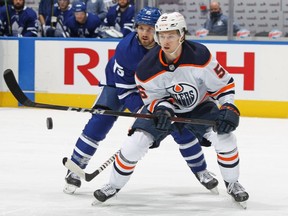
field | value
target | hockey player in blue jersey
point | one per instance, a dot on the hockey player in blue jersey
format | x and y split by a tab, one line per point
121	17
95	7
55	26
18	20
45	12
63	10
120	92
82	24
181	78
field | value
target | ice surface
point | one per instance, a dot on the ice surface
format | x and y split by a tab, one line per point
32	174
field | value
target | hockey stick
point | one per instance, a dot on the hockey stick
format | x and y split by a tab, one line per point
69	164
59	20
52	12
24	100
8	19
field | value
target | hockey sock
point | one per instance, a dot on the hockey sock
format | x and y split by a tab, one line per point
229	165
193	155
95	130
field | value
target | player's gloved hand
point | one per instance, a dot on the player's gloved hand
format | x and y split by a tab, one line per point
162	118
228	118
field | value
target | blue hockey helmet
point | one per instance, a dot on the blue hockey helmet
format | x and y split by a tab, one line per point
79	7
147	15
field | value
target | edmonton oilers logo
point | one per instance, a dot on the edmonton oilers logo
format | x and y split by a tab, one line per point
185	95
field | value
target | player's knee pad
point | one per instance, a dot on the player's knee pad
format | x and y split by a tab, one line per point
225	143
98	126
137	145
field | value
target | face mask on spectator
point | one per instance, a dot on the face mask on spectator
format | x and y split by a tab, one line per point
214	14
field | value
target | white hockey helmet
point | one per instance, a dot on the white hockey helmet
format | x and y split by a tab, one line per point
169	22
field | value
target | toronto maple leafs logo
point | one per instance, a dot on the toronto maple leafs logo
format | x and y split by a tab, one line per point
185	95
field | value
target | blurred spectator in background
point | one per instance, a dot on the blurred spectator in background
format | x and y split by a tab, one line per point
18	20
82	24
45	12
61	13
109	3
96	7
3	2
217	23
121	17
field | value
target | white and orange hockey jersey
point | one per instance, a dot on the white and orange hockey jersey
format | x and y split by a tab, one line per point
195	76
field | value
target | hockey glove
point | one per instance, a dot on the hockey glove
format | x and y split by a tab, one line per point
162	118
228	118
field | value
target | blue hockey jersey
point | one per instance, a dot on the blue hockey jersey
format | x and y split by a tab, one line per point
87	30
121	68
23	23
122	21
62	15
45	9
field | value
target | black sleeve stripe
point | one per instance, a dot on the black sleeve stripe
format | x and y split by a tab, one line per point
224	94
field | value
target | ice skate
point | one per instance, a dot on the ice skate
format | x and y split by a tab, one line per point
237	191
72	183
208	181
105	193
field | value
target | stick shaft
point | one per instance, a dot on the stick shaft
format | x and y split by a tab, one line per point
24	100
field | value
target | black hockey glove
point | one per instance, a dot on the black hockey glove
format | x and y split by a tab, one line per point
228	118
162	118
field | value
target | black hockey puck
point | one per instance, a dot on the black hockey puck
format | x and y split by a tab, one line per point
49	123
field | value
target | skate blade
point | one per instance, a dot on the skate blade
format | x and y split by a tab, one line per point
108	202
69	189
242	204
214	191
96	202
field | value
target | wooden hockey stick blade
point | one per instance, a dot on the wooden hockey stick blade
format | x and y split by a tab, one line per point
73	167
24	100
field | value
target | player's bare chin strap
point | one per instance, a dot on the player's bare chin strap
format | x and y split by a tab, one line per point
180	43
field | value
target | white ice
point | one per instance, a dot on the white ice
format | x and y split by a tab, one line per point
32	174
